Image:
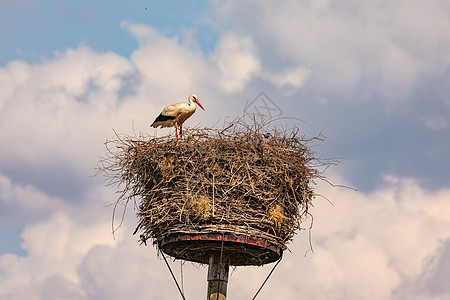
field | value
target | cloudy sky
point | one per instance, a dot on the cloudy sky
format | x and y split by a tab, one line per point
372	76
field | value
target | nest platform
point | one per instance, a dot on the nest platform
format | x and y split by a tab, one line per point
237	249
243	190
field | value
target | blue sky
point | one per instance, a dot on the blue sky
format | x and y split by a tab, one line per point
372	77
39	28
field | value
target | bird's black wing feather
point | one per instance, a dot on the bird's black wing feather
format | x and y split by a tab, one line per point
162	118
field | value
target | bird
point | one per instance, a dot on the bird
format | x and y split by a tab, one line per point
175	114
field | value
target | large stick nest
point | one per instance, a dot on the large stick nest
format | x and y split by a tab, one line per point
256	178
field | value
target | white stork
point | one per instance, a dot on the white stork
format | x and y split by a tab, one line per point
176	114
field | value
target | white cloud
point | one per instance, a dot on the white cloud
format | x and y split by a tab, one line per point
55	247
292	77
168	67
237	62
375	46
61	109
24	203
171	66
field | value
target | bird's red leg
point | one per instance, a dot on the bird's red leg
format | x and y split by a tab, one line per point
176	130
181	131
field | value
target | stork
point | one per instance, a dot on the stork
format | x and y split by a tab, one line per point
175	114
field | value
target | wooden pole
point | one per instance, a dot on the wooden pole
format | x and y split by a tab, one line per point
217	278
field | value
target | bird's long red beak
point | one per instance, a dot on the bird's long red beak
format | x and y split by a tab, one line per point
196	101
